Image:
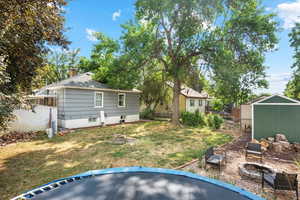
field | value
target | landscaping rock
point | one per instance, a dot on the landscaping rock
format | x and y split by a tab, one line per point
280	137
276	147
296	147
270	139
285	146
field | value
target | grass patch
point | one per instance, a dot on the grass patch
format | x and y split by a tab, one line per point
26	165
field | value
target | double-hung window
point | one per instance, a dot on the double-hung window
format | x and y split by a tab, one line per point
98	99
121	100
192	102
200	102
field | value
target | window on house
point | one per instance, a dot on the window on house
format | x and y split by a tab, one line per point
121	100
192	102
98	99
200	102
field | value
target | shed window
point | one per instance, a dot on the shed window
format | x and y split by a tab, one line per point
98	99
200	102
121	100
192	102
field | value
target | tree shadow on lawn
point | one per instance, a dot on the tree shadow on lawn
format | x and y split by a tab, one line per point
89	149
27	170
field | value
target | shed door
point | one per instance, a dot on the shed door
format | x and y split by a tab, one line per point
272	119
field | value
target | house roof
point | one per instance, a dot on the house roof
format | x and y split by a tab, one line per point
81	81
191	93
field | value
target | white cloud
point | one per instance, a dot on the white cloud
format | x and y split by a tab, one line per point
290	13
269	9
277	83
91	34
116	14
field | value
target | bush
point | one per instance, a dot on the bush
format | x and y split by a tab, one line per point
217	105
214	121
147	114
192	119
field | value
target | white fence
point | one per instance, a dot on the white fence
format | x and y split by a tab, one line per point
246	116
27	121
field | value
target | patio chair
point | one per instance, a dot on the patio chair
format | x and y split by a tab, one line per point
214	159
254	149
281	181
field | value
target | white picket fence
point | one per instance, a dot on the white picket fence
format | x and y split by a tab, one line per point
27	121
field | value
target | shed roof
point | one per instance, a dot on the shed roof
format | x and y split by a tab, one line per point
277	99
255	100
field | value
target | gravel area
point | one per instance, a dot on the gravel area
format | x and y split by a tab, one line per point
230	174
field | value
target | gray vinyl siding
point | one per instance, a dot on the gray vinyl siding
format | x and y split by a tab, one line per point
79	104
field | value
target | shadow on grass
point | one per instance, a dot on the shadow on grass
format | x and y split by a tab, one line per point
89	149
27	170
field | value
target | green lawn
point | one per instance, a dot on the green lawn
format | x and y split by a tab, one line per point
29	164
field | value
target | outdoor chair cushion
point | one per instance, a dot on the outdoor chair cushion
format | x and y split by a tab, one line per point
254	152
270	178
215	159
253	147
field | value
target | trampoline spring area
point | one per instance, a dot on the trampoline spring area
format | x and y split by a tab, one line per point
49	187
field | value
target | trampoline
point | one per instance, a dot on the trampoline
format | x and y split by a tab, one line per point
132	183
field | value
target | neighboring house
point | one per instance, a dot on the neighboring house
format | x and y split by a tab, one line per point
83	102
189	100
276	114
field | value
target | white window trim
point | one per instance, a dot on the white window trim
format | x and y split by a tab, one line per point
95	94
124	100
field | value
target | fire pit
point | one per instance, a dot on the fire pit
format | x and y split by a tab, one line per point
253	170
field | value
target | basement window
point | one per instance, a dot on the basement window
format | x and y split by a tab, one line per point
92	119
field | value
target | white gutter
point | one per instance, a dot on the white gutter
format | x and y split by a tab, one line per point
98	89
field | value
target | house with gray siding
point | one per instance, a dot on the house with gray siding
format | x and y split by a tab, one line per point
83	102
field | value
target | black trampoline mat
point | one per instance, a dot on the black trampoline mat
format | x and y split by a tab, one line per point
140	185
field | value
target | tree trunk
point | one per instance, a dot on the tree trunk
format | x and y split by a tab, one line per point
175	105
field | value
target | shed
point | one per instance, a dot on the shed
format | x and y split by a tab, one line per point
276	114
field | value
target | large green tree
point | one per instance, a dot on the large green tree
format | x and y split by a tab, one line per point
58	63
293	87
123	65
7	102
27	29
222	33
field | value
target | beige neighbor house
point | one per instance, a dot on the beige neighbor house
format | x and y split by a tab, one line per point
189	100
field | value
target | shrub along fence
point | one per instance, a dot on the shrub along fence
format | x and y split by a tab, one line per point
197	119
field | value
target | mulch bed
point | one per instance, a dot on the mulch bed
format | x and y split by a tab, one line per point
290	155
238	144
15	137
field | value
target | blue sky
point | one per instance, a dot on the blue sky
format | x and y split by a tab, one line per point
83	17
